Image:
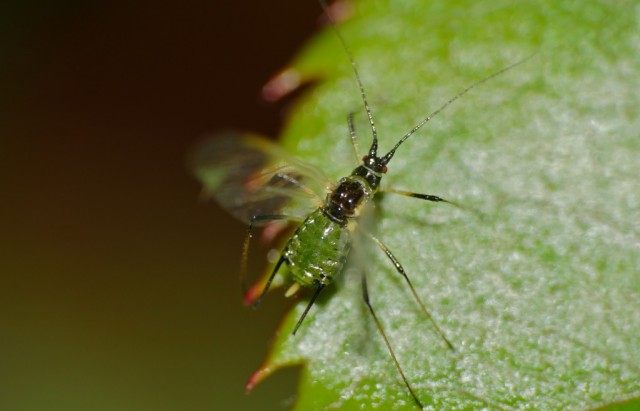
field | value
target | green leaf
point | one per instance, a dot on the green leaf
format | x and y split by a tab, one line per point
540	290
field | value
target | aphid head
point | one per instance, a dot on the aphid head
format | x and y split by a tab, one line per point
371	169
374	163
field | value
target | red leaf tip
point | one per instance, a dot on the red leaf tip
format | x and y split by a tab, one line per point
255	378
281	84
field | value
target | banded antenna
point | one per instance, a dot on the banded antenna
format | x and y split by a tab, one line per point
417	127
374	144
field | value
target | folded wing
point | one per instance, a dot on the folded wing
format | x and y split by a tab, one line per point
250	176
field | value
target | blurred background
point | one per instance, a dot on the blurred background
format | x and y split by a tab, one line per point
118	290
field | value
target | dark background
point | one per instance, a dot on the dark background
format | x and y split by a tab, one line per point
119	290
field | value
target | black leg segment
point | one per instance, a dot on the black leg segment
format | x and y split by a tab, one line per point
247	240
365	296
257	302
316	293
428	197
401	271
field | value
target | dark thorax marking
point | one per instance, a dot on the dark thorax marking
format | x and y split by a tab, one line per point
345	200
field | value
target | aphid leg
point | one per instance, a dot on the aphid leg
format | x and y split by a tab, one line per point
258	300
247	240
365	296
400	270
435	199
354	137
316	293
428	197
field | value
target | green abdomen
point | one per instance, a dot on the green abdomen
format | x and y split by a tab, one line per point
318	250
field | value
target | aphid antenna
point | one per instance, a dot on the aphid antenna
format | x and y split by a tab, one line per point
387	157
374	144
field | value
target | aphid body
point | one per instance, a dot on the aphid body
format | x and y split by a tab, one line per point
330	228
320	264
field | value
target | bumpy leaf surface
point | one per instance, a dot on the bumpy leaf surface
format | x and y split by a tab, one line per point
539	289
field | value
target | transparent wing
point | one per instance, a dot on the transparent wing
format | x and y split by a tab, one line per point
250	176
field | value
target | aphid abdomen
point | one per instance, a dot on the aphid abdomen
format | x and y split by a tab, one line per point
318	250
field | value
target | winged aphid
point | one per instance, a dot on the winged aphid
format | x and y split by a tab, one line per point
259	182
